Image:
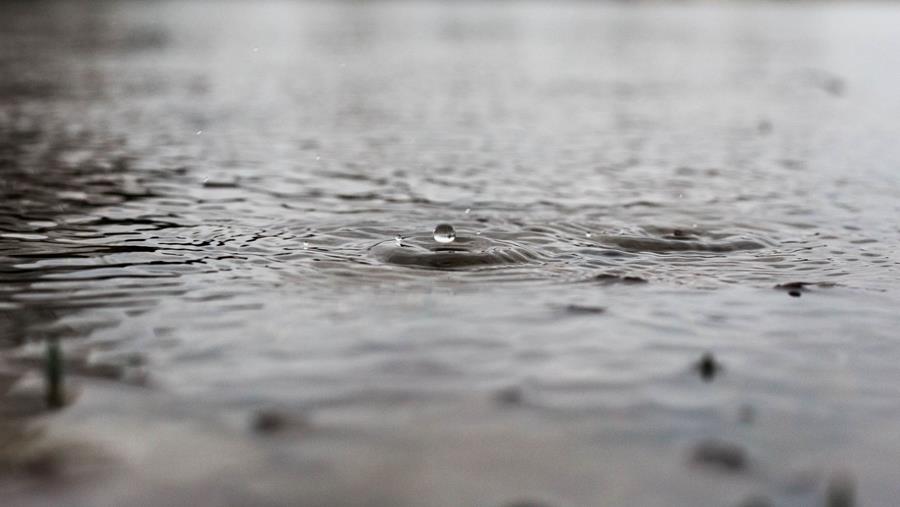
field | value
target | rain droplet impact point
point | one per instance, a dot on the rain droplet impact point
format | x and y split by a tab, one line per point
444	233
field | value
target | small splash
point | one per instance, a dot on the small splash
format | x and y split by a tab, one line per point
306	245
399	240
444	233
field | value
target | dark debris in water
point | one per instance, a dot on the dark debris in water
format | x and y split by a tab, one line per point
720	455
576	309
613	279
271	421
796	289
708	367
53	371
511	396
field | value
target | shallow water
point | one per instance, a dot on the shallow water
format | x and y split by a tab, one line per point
208	194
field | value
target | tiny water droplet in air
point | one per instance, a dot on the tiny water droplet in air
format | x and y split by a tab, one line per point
468	210
444	233
587	235
199	132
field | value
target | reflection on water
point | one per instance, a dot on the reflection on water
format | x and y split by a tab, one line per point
239	199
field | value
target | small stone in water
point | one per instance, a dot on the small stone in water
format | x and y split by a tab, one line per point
444	233
708	367
512	395
720	455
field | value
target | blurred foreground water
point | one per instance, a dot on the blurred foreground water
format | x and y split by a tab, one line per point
224	211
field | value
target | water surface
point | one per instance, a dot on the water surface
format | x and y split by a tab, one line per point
205	196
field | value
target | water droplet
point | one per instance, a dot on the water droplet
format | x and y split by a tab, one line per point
468	210
305	245
444	233
587	235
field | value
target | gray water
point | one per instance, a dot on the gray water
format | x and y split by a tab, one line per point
203	198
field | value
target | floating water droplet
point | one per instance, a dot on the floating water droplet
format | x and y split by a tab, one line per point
444	233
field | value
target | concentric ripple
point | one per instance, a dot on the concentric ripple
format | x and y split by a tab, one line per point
465	252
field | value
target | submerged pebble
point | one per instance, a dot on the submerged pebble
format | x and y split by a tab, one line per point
509	396
796	289
270	421
584	309
708	367
611	278
720	455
